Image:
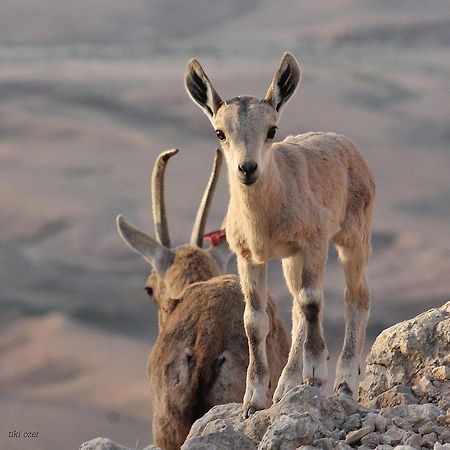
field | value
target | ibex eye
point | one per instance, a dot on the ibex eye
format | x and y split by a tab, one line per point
220	134
149	291
271	133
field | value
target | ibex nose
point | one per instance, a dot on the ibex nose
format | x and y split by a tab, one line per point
248	168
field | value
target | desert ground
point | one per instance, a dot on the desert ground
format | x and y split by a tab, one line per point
91	92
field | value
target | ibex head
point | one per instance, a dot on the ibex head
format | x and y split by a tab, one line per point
245	126
175	269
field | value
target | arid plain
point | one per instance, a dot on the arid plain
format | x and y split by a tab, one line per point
91	92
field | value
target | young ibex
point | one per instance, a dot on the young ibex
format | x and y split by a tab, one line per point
200	356
287	200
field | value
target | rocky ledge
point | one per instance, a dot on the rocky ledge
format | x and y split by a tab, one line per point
404	403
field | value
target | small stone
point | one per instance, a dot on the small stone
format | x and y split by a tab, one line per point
377	420
444	420
324	443
402	423
371	439
413	413
348	404
342	446
430	439
427	386
415	440
352	423
444	434
292	430
355	436
429	427
365	447
441	373
102	444
397	395
337	435
438	446
395	435
384	447
444	402
404	447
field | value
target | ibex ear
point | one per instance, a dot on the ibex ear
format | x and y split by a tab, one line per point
200	88
284	83
151	250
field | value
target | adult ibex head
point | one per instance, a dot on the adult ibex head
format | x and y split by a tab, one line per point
175	269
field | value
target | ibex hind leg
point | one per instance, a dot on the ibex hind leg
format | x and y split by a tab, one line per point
354	260
310	298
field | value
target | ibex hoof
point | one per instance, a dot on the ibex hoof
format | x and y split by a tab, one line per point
281	390
343	389
249	410
317	382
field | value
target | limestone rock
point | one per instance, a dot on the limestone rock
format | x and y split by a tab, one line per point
355	436
106	444
422	342
226	439
441	373
102	444
289	431
353	423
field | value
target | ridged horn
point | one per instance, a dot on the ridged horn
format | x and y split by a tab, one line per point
158	203
202	213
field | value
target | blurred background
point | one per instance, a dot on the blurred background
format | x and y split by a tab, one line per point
91	92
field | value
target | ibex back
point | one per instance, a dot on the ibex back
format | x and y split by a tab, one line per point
287	200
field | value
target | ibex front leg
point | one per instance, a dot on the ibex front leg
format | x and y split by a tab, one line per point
315	354
292	373
256	323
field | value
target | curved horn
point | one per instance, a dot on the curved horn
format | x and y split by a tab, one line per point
158	204
152	251
202	214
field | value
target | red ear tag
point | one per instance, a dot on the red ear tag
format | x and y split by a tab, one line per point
214	237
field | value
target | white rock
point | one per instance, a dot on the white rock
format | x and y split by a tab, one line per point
422	342
102	444
441	373
289	431
355	436
438	446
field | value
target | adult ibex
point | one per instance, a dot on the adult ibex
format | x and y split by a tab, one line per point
200	356
288	199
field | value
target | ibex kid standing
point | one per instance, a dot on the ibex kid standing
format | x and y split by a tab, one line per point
200	356
287	201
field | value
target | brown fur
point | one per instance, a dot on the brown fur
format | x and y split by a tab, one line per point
200	357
